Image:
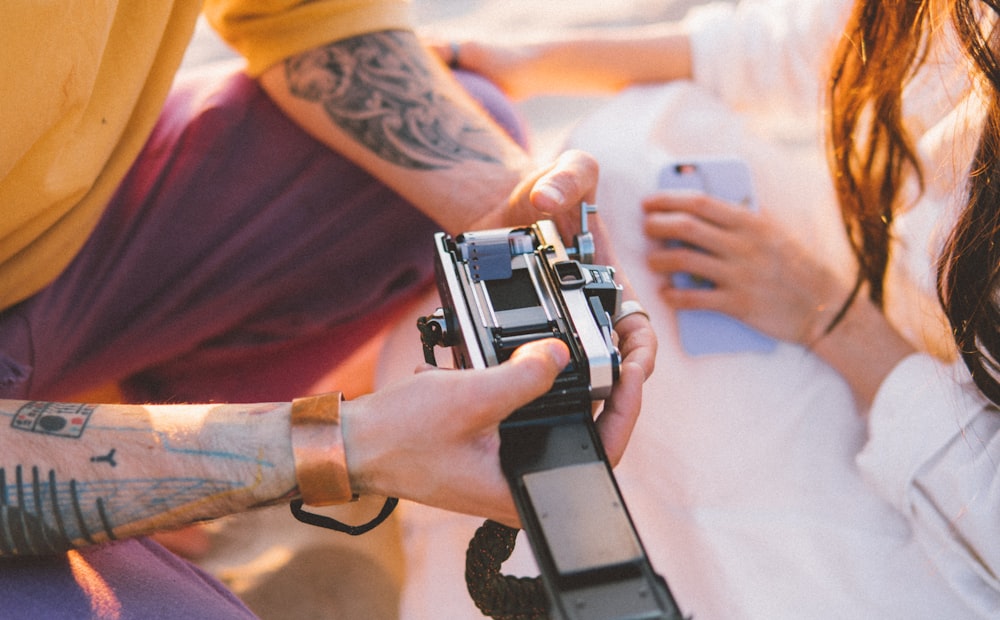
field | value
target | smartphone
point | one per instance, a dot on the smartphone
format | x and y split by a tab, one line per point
704	332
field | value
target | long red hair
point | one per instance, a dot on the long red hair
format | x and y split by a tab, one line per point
871	154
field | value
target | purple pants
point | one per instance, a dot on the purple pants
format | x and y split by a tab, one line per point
239	261
130	580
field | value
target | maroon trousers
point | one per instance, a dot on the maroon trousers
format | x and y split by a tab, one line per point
240	261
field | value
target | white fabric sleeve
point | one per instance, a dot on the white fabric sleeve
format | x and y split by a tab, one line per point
934	453
760	53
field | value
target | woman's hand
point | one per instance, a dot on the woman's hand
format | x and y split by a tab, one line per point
767	279
761	274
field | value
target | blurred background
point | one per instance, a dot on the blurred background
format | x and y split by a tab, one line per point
549	118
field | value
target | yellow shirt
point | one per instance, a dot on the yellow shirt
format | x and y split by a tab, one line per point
81	85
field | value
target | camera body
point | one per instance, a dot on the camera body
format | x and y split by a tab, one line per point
505	287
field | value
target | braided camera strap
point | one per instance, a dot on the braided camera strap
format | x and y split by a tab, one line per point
501	597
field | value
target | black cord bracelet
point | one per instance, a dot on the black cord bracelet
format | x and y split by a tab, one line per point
330	523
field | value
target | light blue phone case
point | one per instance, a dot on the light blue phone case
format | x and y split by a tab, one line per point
704	332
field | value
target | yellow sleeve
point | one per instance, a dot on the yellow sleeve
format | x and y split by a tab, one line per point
268	31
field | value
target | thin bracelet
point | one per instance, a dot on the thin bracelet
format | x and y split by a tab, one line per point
318	450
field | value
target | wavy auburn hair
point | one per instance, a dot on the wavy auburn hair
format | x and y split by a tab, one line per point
871	154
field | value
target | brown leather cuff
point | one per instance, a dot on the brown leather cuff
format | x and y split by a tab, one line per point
318	449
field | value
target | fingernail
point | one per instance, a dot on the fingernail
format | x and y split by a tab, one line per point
552	193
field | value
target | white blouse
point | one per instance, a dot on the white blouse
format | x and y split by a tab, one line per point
933	448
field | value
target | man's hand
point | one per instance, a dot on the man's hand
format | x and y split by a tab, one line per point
553	191
434	437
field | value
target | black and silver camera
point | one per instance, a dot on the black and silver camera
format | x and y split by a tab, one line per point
503	288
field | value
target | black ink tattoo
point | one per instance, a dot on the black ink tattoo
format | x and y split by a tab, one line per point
44	516
61	419
74	496
22	526
108	458
376	88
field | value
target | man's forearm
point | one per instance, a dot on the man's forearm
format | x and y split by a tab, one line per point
384	102
76	474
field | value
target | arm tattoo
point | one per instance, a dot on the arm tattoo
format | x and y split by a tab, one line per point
108	458
381	93
41	515
203	471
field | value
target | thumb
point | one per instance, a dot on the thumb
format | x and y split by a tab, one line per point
528	374
570	180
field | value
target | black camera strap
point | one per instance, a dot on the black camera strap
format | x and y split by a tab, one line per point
499	596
